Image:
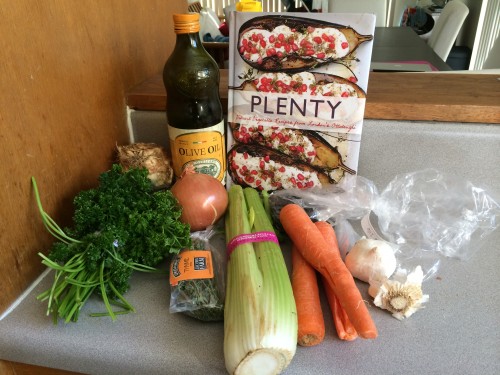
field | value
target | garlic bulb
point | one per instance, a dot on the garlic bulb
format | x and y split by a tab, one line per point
371	260
402	299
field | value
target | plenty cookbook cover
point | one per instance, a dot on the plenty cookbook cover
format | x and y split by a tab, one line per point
296	101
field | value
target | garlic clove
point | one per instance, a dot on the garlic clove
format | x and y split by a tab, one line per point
371	260
375	286
402	299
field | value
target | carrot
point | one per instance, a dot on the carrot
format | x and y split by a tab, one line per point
344	327
313	247
306	292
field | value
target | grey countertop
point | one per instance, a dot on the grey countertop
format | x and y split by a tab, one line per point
458	332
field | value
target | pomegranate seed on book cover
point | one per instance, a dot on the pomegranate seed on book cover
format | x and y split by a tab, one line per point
297	94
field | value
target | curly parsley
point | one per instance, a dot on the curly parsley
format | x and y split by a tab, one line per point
121	226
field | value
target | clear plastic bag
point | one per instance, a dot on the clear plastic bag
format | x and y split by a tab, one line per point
352	198
429	214
200	298
425	215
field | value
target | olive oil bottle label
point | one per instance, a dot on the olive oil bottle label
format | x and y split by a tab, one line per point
204	148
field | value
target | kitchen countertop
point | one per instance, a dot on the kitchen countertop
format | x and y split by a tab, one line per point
447	97
456	333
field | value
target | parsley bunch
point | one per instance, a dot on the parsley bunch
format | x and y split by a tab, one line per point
121	226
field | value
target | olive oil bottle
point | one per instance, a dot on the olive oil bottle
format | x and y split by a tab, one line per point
194	111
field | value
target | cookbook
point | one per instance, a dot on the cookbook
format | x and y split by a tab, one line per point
296	100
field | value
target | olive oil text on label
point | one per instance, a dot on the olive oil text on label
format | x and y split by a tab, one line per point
204	148
185	151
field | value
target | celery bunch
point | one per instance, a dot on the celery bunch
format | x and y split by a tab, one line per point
260	317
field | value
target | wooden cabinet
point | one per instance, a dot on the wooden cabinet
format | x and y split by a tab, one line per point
66	66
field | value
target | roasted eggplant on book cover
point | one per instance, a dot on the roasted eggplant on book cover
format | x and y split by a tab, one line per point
308	83
290	44
305	146
268	169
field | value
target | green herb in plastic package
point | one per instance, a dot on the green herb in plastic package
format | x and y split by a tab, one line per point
197	277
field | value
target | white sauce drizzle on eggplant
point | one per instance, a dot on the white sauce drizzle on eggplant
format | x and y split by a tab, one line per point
320	43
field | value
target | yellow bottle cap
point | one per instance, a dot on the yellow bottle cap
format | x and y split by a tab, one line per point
186	23
249	6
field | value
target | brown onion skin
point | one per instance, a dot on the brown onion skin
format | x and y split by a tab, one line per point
202	197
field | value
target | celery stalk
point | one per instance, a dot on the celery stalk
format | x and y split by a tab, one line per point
244	282
260	318
266	204
277	286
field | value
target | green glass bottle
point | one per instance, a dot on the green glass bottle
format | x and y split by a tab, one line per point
194	111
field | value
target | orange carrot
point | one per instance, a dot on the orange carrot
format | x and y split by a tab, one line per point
306	292
315	250
344	327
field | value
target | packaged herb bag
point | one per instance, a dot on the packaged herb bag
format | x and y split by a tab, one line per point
197	277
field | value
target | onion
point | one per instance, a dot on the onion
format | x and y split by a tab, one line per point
203	198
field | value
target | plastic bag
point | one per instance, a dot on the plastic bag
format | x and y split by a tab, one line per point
425	215
197	278
346	236
352	198
428	214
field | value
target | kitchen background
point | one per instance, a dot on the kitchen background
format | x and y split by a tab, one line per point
480	30
64	73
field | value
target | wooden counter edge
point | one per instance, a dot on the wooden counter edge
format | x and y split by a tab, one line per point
16	368
471	98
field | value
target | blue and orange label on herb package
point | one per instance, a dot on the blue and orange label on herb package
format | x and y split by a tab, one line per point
191	265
